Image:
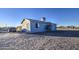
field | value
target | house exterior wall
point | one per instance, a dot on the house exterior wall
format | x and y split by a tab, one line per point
18	28
53	28
26	25
41	27
30	26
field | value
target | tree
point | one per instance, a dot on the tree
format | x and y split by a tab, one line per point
61	27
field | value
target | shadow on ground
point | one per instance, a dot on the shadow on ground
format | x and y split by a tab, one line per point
61	33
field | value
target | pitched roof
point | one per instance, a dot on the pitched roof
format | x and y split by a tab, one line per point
36	21
22	21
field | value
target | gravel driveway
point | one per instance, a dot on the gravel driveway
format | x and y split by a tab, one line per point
23	41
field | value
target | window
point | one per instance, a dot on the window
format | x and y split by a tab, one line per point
37	25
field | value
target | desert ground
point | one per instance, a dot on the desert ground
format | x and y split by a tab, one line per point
57	40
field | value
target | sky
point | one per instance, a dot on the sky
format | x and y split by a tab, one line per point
60	16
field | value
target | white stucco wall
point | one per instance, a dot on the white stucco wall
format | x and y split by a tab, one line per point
25	26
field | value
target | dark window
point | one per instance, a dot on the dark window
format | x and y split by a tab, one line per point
36	25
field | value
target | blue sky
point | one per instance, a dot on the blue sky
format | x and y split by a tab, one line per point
60	16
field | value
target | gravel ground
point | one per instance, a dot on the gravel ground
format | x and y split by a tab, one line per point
42	41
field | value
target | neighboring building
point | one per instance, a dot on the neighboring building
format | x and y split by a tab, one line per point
30	25
7	29
18	29
4	29
12	29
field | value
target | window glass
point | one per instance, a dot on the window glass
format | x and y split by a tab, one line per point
37	25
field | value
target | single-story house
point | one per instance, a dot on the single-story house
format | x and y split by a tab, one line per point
31	25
